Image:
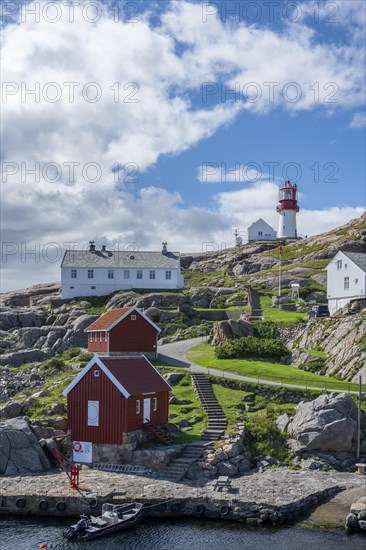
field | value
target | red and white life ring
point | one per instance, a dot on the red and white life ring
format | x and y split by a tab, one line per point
77	447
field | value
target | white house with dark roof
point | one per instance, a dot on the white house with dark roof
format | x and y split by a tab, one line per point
346	279
96	272
261	231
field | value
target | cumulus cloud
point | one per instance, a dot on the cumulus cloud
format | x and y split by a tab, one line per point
128	95
358	120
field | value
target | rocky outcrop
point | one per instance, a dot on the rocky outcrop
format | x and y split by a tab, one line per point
329	423
34	334
20	451
31	295
341	338
228	330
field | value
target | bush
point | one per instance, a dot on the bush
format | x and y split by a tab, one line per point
264	436
71	353
85	357
249	346
317	367
264	329
54	363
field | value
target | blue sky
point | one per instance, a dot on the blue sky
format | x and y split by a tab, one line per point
194	103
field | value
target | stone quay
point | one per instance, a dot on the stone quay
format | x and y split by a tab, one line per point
275	496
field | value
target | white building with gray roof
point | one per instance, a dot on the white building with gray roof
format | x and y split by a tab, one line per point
98	272
346	279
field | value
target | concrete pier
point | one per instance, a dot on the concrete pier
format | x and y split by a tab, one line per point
275	496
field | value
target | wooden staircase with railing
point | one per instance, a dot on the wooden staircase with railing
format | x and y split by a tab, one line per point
158	432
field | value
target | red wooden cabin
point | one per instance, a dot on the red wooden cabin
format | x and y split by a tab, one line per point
123	330
115	395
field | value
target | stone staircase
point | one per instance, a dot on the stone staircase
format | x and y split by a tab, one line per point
215	415
177	467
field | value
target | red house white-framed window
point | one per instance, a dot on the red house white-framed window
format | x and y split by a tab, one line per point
91	337
155	403
100	336
138	406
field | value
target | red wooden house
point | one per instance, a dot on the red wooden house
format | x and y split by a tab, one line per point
123	330
115	395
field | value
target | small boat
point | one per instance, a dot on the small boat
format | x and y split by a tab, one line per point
114	518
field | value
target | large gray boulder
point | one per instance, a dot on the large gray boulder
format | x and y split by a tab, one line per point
20	451
329	423
17	358
224	331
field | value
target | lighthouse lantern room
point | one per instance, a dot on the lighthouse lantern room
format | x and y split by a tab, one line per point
287	209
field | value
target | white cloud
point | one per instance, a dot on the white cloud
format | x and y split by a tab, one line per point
358	120
160	67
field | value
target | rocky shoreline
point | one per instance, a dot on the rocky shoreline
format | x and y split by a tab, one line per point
276	496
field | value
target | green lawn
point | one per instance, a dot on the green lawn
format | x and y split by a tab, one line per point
184	390
267	369
275	314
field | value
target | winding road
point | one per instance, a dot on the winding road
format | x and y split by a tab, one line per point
176	354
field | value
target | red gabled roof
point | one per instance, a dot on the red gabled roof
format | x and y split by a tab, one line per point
108	318
113	316
131	375
136	374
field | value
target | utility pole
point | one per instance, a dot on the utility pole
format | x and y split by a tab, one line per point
279	272
359	418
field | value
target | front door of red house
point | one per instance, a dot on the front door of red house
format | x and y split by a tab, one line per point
147	408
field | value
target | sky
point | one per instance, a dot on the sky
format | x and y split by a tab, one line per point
133	123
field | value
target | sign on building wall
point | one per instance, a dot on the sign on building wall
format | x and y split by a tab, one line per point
82	451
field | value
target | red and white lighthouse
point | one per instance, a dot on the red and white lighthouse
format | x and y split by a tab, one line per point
287	209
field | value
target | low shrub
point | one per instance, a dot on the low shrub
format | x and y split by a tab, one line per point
71	353
317	367
85	356
264	329
251	346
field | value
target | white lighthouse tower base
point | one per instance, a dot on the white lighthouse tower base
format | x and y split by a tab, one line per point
287	225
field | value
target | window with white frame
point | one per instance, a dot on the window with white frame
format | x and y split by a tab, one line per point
96	373
345	266
139	274
260	233
339	264
133	317
155	404
356	281
346	283
106	336
126	274
138	406
90	273
168	274
152	274
100	336
110	274
91	337
74	273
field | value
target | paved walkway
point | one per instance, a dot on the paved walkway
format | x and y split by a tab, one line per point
176	354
